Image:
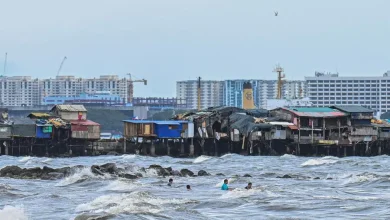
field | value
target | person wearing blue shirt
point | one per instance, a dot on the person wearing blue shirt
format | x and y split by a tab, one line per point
224	185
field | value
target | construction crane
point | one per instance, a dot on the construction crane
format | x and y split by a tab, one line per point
62	63
279	70
198	90
131	89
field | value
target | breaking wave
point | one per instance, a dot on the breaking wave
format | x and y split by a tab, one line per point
25	159
134	203
80	175
12	213
201	159
320	161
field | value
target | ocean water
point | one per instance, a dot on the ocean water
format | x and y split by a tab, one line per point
326	188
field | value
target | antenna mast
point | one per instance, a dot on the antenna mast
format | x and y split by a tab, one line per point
279	70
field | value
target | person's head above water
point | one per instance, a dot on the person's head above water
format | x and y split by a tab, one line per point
171	180
188	187
225	181
249	185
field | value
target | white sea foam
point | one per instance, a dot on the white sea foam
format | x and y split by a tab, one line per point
288	156
240	193
320	161
47	160
129	156
12	213
226	155
201	159
136	203
80	175
25	159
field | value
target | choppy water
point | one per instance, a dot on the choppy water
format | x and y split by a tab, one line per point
347	188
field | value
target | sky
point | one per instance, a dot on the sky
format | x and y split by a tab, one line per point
165	41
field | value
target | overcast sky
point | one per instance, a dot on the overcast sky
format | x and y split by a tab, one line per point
165	41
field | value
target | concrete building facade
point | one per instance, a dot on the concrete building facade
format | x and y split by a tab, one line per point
211	93
330	89
25	90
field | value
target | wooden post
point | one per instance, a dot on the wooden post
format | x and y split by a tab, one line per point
316	150
354	148
168	148
192	148
202	146
251	147
339	124
125	145
152	149
19	146
323	128
215	147
327	150
367	147
380	148
182	152
6	148
338	151
345	151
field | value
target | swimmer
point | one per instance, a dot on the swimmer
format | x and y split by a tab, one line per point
188	187
170	182
249	186
225	185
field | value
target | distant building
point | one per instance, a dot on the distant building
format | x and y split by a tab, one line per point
263	90
102	97
211	93
19	91
329	89
270	104
160	103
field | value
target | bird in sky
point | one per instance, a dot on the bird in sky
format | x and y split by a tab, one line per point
276	13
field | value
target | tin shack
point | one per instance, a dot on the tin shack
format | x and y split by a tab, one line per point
158	129
70	112
85	129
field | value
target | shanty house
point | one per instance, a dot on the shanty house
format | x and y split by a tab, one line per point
158	129
44	130
314	124
70	112
85	129
5	132
359	122
23	127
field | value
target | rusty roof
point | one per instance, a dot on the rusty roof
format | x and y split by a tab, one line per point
70	108
38	115
353	109
315	112
83	122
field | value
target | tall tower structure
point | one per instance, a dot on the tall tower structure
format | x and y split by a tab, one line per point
279	70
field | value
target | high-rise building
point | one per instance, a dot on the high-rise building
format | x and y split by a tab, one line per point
330	89
24	90
211	93
262	90
19	91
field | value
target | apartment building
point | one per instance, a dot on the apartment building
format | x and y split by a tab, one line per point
262	91
211	93
19	91
24	90
331	89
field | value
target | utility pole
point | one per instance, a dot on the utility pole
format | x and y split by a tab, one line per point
198	90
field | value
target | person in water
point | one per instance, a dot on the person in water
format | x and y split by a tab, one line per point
249	186
188	187
170	182
225	185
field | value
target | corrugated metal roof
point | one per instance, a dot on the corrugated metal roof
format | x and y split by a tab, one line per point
353	108
83	122
38	115
70	108
315	112
22	121
155	122
44	125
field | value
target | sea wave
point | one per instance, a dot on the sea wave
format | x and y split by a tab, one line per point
134	203
81	175
13	213
320	161
202	159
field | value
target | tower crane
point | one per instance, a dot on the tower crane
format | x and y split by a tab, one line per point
131	88
62	63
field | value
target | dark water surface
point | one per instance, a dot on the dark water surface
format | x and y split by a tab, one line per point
347	188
